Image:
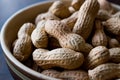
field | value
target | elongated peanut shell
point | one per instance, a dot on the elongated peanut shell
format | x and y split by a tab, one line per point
97	56
86	17
26	28
60	57
39	36
106	71
66	38
115	55
67	75
23	48
74	75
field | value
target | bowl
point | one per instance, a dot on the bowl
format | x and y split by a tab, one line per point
9	34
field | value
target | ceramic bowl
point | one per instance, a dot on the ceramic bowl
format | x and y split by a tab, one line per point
9	33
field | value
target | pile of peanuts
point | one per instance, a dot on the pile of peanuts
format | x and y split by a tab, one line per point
79	41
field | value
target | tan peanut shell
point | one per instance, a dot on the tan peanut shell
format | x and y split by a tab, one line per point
45	16
67	74
115	54
23	48
70	21
59	9
74	75
76	4
39	36
66	38
108	71
97	56
26	28
86	17
103	15
112	25
99	37
51	73
60	57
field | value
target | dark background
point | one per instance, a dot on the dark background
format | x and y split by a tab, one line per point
8	8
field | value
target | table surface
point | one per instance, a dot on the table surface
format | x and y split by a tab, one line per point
8	8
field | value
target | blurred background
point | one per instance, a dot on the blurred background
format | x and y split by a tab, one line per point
8	8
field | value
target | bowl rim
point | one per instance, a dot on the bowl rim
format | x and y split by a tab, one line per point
8	53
